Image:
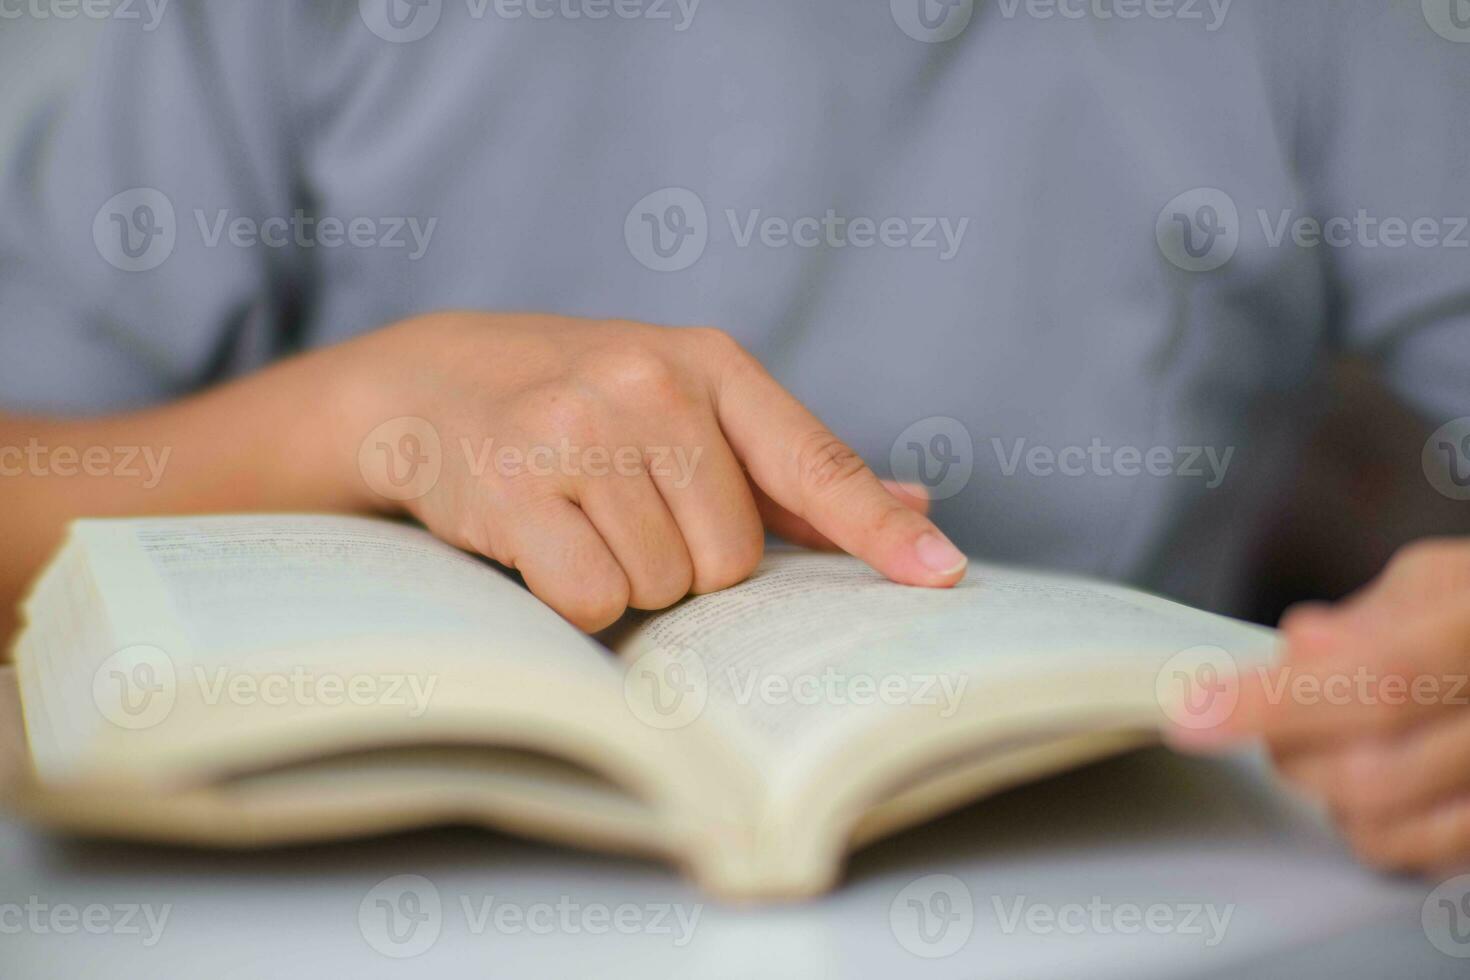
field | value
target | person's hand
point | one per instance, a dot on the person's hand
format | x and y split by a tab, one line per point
613	464
1369	711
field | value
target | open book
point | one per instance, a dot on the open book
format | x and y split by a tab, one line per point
246	681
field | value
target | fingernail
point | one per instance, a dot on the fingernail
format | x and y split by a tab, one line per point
939	555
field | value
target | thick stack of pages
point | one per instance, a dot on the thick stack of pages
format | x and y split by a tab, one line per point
248	681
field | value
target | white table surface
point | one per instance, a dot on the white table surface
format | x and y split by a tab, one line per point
1148	832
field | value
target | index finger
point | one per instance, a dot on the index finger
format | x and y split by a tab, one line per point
806	469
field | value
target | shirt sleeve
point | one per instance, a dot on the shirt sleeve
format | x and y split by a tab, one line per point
120	284
1387	148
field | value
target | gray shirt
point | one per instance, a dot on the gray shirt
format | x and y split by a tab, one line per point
1074	262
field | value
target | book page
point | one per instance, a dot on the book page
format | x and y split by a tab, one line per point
813	644
243	584
164	659
198	623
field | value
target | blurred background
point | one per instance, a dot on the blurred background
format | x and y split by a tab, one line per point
1360	491
37	60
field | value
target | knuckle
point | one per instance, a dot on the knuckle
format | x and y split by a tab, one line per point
640	374
718	347
596	606
666	578
733	564
660	592
825	463
715	340
478	533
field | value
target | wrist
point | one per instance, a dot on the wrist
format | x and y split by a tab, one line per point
373	438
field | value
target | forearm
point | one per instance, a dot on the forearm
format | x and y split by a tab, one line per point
280	440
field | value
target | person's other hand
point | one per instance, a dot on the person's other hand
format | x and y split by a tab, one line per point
1369	710
616	464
